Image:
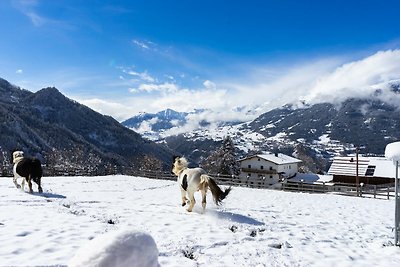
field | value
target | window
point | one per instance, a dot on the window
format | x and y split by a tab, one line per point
370	170
262	167
271	176
270	168
249	166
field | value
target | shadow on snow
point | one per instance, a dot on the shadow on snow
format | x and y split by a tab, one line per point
47	195
234	217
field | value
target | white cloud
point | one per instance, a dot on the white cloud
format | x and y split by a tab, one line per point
141	44
145	45
324	80
19	71
116	110
27	7
145	126
356	79
263	88
164	87
145	76
209	84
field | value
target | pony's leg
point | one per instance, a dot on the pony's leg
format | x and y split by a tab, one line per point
192	201
204	198
23	183
39	186
30	184
15	182
184	199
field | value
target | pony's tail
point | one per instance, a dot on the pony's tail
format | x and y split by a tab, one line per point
37	171
216	191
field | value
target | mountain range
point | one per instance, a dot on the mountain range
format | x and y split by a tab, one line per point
314	133
67	135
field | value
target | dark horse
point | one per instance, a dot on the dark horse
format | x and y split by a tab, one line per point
28	169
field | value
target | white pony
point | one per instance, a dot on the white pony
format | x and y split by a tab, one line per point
191	180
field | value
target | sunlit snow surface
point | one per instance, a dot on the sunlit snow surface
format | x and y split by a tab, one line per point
254	227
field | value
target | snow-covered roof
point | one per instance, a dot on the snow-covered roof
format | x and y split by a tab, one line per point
367	166
277	158
310	178
392	151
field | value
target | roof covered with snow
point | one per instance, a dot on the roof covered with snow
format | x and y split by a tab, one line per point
367	166
277	158
311	178
392	151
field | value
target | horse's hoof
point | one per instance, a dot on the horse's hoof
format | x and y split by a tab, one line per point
18	186
40	190
188	210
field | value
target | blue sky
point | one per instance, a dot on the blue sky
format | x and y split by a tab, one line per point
123	57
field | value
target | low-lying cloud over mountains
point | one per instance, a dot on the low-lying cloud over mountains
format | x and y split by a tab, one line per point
245	94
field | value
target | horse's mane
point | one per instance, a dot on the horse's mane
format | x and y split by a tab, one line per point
180	164
183	162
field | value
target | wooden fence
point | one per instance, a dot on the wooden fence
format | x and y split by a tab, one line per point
373	191
386	191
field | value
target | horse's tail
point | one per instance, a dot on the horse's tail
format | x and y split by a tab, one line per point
37	171
216	191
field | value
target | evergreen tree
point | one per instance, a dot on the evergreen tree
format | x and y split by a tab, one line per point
223	160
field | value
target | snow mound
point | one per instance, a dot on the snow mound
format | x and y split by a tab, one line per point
118	249
392	151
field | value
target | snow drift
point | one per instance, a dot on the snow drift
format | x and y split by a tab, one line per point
118	249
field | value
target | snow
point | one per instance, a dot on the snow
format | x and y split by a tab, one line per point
118	249
279	158
324	139
384	167
254	227
392	151
311	178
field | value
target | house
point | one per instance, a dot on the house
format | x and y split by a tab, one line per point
371	170
267	169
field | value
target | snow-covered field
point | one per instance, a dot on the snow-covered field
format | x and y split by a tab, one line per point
253	227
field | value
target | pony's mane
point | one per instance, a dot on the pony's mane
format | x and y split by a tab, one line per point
180	164
183	162
17	156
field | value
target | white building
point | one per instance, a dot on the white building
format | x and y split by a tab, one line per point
267	169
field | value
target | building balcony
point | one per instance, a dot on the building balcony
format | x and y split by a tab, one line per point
273	171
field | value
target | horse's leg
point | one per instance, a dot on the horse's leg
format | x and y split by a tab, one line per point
184	199
15	182
40	186
192	201
29	184
23	183
204	198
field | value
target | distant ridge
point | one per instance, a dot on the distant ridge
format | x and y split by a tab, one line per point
66	134
315	133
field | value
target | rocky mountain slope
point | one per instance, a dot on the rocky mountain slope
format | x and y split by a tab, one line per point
313	133
67	135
